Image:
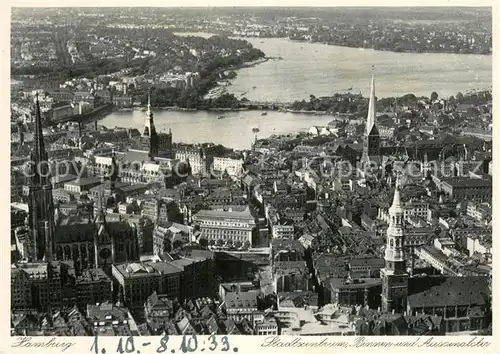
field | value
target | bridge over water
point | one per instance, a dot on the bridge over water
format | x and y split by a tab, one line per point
88	117
266	104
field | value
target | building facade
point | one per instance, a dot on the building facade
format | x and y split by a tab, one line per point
226	225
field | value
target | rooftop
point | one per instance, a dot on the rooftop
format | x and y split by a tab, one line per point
84	181
448	291
467	182
247	299
144	269
219	214
355	283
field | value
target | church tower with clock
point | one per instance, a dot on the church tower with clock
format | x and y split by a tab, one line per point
394	275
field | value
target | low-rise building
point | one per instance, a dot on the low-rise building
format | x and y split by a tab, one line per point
233	167
158	308
282	232
93	286
81	185
364	291
462	301
240	305
463	188
366	267
479	244
45	280
479	211
110	320
266	327
138	281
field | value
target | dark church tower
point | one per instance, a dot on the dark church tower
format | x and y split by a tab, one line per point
40	203
149	135
371	138
394	275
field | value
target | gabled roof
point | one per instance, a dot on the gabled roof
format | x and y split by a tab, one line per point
212	325
185	325
230	326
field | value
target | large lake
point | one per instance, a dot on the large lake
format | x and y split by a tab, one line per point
318	69
321	70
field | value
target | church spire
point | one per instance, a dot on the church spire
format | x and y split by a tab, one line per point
149	105
370	121
371	139
149	135
40	202
39	147
149	127
396	206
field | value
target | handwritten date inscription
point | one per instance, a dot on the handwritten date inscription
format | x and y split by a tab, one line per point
189	344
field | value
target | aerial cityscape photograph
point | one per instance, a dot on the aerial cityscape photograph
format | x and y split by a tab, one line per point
269	171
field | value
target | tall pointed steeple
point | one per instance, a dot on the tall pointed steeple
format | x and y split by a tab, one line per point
39	152
149	135
149	122
100	224
371	139
40	202
370	121
396	207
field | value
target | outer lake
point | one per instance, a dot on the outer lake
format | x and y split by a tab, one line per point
321	70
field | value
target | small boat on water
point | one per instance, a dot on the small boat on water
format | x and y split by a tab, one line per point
221	117
349	89
264	114
254	87
243	94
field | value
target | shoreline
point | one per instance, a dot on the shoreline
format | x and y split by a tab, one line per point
387	49
339	44
284	107
241	109
362	48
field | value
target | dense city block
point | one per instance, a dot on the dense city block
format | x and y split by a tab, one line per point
377	223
